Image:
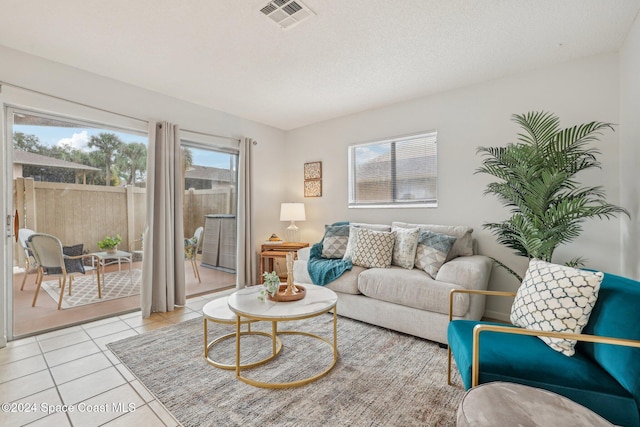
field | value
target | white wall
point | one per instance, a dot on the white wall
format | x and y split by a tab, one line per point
52	78
71	83
630	150
577	92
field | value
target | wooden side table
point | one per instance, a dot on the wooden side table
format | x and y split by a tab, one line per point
270	252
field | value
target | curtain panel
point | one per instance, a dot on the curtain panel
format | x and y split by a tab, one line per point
246	272
163	283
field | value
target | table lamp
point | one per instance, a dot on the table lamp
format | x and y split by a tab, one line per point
292	212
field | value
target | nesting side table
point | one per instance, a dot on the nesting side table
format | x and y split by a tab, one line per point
217	311
269	252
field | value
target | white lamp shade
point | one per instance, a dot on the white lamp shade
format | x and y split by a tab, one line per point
292	212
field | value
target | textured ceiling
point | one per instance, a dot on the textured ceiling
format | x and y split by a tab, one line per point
353	55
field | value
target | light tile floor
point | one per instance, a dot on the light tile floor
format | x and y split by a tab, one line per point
69	377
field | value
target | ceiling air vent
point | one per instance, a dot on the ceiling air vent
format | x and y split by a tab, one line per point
286	13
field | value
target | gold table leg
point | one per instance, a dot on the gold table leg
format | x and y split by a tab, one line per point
333	345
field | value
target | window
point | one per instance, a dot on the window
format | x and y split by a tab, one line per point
397	172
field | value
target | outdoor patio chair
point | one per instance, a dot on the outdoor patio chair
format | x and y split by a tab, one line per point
23	235
51	261
191	247
137	249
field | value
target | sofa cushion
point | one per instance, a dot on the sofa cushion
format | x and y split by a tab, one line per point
411	288
615	315
432	251
464	239
555	298
404	249
527	360
334	244
348	282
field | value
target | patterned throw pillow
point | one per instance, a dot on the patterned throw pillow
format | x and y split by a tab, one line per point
190	247
71	265
555	298
373	249
404	250
334	244
432	251
351	243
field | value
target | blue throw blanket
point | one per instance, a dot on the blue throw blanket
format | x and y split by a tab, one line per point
324	270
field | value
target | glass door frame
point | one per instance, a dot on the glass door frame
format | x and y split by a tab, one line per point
40	105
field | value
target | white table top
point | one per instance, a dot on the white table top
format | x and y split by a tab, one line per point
318	300
117	254
218	310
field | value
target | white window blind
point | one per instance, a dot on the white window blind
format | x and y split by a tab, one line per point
395	172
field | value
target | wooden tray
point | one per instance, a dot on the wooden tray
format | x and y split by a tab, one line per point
281	297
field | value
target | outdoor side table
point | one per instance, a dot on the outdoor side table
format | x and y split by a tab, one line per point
106	258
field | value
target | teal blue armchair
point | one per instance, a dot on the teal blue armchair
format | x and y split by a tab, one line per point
603	375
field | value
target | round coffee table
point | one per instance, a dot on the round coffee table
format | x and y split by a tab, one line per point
217	311
318	300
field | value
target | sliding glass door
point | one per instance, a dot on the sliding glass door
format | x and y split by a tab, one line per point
209	211
80	182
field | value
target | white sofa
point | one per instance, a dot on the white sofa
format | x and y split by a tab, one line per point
409	300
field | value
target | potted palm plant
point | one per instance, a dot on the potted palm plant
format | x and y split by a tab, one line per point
536	180
110	244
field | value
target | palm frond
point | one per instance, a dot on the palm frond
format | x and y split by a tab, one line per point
536	180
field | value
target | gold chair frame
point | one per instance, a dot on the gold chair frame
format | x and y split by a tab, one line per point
478	329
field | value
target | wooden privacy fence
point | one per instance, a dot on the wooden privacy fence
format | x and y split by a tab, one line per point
77	213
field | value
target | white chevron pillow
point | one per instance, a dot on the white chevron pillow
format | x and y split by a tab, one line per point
555	298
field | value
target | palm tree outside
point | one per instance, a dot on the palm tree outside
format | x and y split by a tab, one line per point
108	144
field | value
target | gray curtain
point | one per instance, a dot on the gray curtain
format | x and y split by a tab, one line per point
163	258
246	272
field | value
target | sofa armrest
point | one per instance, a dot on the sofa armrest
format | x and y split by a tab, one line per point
303	254
475	292
478	329
470	272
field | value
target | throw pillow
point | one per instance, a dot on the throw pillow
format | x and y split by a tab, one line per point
404	250
373	249
71	265
190	247
351	243
555	298
334	244
462	233
432	251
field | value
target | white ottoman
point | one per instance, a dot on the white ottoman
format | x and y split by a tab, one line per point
510	404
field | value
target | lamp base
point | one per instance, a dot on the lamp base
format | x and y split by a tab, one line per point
292	233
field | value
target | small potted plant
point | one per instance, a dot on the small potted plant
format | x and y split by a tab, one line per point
270	286
110	244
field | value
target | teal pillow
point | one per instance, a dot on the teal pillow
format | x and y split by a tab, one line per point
432	251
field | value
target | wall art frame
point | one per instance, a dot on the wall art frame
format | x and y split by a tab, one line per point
313	170
313	179
313	188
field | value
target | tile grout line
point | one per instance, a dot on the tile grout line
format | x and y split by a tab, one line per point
85	328
55	385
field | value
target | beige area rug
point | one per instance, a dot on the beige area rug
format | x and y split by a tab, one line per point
382	378
119	284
